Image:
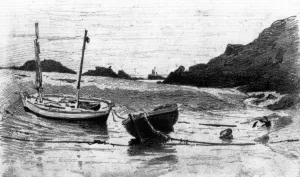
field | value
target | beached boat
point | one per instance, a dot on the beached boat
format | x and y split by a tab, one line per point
67	107
161	119
64	107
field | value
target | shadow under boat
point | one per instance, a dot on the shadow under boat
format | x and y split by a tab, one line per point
152	146
88	126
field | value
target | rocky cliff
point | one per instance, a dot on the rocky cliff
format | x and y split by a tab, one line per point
270	62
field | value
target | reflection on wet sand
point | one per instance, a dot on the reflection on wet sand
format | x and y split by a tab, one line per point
144	150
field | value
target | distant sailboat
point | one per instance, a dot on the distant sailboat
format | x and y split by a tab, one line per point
66	107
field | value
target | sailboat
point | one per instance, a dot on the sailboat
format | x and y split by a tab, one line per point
68	107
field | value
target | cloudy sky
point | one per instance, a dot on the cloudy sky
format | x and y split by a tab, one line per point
134	35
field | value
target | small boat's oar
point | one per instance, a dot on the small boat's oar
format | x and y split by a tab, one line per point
218	125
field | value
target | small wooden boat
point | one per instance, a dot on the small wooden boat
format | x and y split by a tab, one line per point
64	106
161	119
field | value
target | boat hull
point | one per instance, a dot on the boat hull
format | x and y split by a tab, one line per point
162	120
54	113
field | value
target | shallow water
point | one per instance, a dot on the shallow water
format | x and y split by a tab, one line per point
196	106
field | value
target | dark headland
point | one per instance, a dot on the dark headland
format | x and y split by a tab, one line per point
47	66
55	66
269	63
108	72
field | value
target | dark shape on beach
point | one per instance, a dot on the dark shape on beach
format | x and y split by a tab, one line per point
154	124
263	122
268	63
263	139
258	101
22	75
254	125
266	122
286	101
226	134
259	96
47	66
271	97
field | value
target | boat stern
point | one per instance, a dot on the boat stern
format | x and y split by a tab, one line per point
24	97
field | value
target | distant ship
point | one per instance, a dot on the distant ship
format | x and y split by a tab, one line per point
154	75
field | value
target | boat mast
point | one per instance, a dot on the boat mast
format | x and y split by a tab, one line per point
85	40
38	78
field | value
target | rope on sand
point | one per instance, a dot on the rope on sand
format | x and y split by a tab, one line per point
185	141
282	141
182	142
72	142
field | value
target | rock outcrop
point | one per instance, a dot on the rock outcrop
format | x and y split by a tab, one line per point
108	72
269	63
101	71
47	66
286	101
123	75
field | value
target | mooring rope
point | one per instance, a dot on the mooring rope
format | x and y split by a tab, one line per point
113	115
182	142
72	142
120	117
186	141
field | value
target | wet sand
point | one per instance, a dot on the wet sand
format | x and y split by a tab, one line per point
196	106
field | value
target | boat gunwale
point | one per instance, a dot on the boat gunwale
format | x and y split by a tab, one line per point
25	101
98	118
69	112
72	96
173	108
